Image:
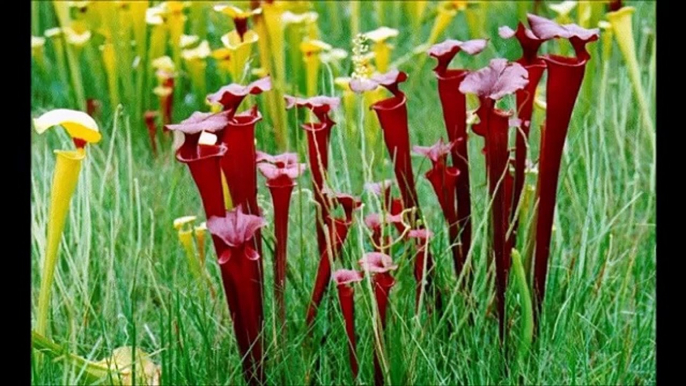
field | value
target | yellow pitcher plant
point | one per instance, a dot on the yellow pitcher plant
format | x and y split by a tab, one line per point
222	57
240	41
118	369
110	65
240	50
606	46
82	129
563	12
194	59
158	34
348	100
382	49
37	51
76	36
54	36
196	259
622	29
589	12
445	13
200	232
310	50
184	228
298	27
175	20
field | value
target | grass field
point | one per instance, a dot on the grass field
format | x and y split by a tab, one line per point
122	278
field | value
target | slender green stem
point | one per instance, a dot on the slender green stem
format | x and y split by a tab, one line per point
527	328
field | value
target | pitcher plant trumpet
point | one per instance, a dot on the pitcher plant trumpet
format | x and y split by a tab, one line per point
83	130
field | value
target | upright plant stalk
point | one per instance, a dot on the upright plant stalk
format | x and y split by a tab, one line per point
83	129
492	83
380	265
337	233
454	105
354	17
345	279
62	12
527	329
565	75
241	275
281	172
392	114
65	178
55	35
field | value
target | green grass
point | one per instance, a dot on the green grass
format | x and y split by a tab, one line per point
122	278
